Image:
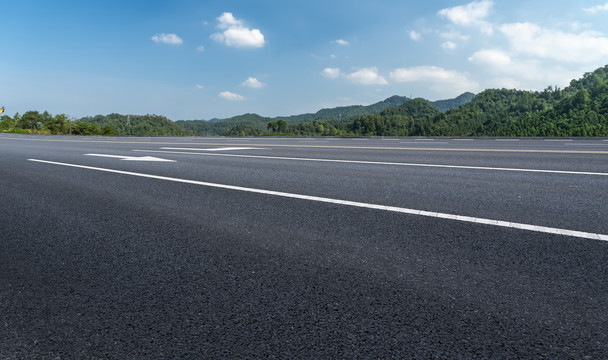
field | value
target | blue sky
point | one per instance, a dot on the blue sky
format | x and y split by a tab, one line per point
215	59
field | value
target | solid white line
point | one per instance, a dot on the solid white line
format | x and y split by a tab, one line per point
536	228
462	139
383	163
558	140
579	144
214	149
422	143
507	139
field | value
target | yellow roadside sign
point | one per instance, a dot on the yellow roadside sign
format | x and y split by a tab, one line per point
1	110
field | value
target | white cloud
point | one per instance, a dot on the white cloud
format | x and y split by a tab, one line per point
227	21
253	83
596	9
577	26
200	48
198	86
530	39
505	70
367	76
167	39
415	35
235	34
342	42
470	15
454	35
448	45
331	73
441	81
492	57
227	95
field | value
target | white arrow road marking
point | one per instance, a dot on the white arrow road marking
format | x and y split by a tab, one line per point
214	149
132	158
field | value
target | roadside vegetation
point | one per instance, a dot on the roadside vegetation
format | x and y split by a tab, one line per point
33	122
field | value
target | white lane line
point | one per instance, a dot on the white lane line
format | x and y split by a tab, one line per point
469	219
214	149
462	139
423	143
384	163
390	139
507	139
558	140
424	139
579	144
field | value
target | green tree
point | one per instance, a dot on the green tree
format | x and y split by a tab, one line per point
30	120
107	130
272	126
82	128
281	126
57	124
6	122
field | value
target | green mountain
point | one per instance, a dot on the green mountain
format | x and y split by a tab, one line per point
253	124
395	121
343	113
227	127
581	109
445	105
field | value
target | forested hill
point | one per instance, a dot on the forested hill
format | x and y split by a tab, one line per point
445	105
345	112
349	112
253	124
581	109
392	121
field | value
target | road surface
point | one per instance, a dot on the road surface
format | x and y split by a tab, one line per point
303	247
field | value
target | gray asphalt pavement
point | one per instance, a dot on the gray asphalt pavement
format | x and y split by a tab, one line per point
303	248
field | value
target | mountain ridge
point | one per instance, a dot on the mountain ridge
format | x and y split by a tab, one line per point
332	115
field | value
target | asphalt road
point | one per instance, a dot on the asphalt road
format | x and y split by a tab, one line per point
303	248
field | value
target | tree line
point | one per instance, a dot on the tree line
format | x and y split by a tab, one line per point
138	125
34	122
